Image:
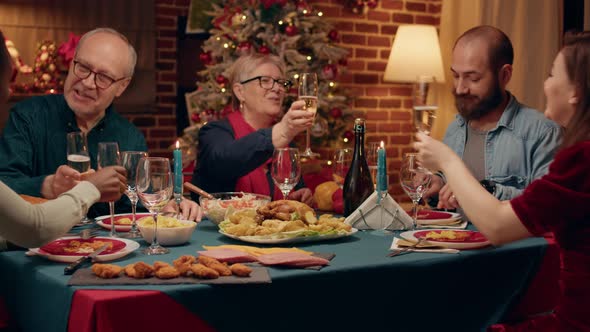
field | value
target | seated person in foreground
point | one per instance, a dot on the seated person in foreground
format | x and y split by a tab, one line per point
558	202
505	144
235	153
33	144
28	225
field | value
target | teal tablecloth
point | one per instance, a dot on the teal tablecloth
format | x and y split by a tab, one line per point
361	289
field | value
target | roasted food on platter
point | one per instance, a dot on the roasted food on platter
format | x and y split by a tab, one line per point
184	266
228	202
106	271
282	218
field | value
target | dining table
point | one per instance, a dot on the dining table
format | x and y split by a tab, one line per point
361	288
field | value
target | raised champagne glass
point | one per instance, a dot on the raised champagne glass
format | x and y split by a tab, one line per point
108	155
308	92
130	161
154	188
78	158
424	112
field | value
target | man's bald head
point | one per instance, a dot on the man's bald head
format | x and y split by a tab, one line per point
500	51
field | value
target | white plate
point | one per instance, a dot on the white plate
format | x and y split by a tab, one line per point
454	217
119	228
477	241
130	246
288	237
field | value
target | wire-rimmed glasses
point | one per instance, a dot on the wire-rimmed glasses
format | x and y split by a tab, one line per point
286	169
130	160
78	158
154	188
108	155
308	92
415	181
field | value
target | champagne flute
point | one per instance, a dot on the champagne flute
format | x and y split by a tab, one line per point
424	114
415	181
108	155
154	188
78	158
130	162
341	164
308	92
285	169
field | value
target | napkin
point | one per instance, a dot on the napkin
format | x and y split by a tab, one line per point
423	247
371	215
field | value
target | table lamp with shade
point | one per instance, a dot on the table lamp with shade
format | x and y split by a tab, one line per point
415	58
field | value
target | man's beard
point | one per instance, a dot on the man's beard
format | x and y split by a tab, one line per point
476	110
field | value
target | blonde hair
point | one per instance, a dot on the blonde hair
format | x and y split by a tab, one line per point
243	67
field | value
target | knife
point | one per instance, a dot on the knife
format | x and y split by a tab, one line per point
70	269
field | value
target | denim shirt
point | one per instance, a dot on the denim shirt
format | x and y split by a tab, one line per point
517	151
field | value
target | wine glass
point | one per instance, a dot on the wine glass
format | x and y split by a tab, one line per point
341	164
108	155
154	188
78	158
372	160
424	113
308	92
285	169
130	161
415	181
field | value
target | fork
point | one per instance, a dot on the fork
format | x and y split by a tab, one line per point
406	249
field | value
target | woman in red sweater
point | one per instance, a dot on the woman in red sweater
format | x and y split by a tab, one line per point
559	202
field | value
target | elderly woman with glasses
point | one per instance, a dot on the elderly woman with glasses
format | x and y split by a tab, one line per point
235	152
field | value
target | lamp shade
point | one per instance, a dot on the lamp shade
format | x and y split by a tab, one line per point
415	52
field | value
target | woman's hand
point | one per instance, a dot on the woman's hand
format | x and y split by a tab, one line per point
433	154
303	195
189	210
293	122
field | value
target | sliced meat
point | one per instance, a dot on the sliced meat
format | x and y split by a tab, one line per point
228	255
292	259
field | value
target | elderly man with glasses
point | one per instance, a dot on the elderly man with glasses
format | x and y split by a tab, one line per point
235	152
33	143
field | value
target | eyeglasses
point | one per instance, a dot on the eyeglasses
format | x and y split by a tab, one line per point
100	80
267	82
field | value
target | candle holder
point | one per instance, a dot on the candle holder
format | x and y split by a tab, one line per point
177	200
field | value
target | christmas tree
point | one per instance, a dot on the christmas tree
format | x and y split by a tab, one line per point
295	32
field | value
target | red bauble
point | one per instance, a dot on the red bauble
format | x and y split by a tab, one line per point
210	111
264	49
205	58
329	71
372	4
244	47
336	112
220	79
195	117
348	135
291	30
333	35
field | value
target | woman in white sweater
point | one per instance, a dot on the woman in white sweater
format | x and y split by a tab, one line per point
28	225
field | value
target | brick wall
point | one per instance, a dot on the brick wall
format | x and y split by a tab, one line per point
368	38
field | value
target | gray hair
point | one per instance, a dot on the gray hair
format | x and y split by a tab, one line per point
132	53
244	66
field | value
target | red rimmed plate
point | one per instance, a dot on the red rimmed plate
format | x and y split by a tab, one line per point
56	250
430	217
121	221
455	239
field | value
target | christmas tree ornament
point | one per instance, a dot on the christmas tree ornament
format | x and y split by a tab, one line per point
244	48
46	79
348	135
264	49
329	71
221	80
333	35
336	112
291	30
195	117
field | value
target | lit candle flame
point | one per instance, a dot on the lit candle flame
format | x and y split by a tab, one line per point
177	144
382	145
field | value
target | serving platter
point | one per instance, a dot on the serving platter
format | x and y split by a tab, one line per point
291	237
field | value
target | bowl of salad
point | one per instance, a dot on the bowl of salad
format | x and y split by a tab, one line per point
229	202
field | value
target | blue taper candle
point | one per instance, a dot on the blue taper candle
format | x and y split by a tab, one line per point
177	169
381	171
